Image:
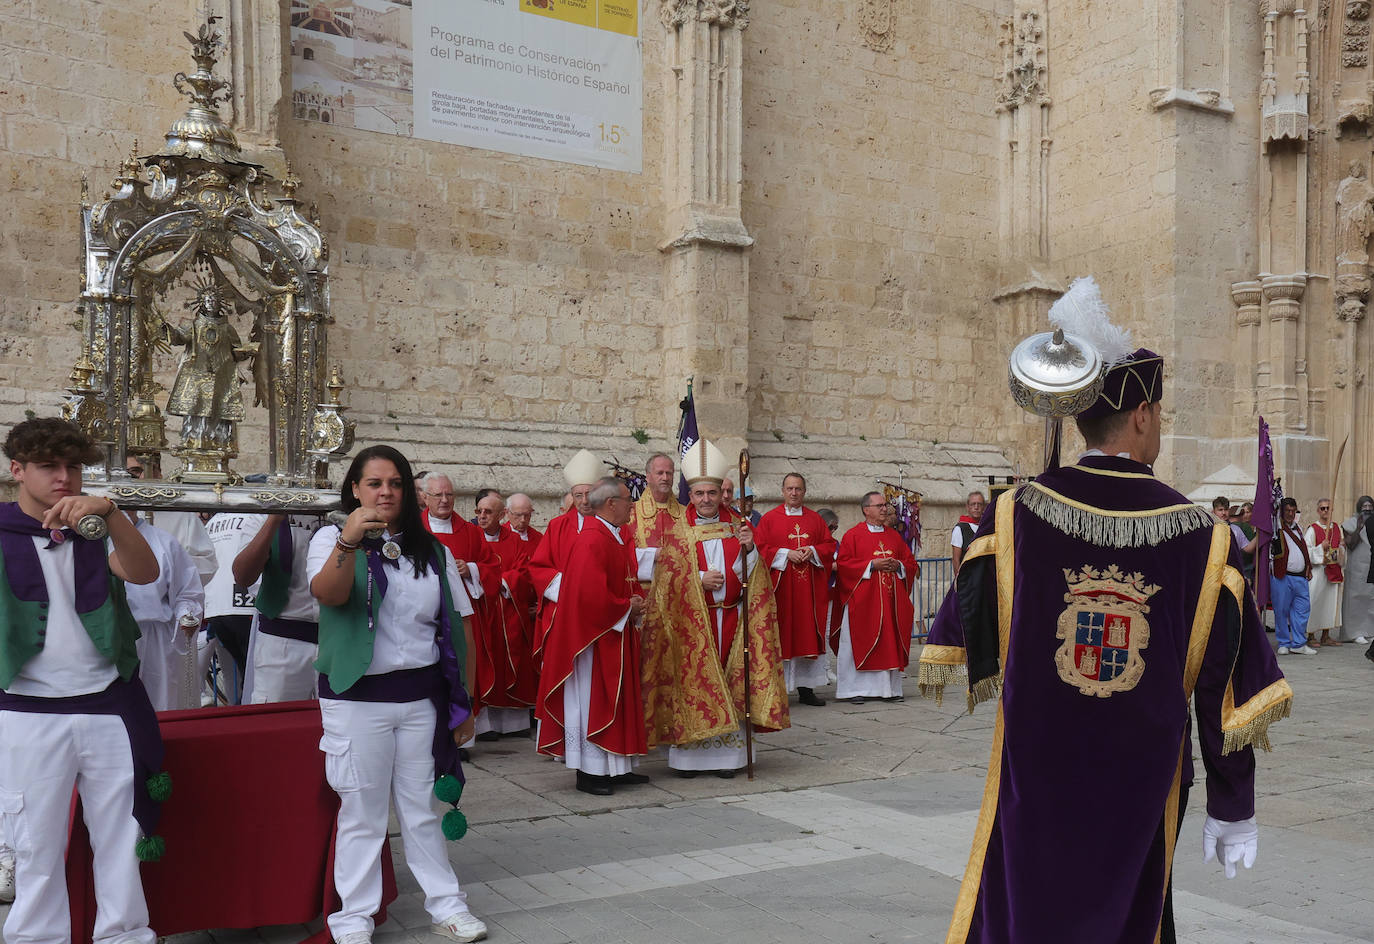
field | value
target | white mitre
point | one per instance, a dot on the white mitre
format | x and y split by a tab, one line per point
584	469
704	463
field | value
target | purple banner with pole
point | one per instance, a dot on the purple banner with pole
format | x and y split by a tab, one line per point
687	435
1263	517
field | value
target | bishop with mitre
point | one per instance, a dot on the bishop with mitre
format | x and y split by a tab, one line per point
694	656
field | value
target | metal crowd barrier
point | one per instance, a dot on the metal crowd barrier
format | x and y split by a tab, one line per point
928	592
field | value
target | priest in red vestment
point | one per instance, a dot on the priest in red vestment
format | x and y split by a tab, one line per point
800	551
481	579
509	697
589	706
726	560
872	635
550	558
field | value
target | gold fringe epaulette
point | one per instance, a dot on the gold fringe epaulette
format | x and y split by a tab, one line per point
932	677
1255	732
1108	528
985	690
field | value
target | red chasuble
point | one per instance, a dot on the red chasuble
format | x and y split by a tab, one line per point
513	652
600	578
800	591
880	610
549	560
467	543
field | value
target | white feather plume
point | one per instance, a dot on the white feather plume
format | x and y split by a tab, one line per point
1082	311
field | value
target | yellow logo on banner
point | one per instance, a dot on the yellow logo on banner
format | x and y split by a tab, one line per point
617	16
580	12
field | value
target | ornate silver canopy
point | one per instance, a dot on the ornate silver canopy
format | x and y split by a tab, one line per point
196	227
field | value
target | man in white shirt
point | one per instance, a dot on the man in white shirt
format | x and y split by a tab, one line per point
169	612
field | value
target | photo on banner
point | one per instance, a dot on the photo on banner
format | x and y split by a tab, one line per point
556	79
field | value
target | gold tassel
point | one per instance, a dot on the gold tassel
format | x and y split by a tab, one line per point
1106	530
1255	733
984	690
932	677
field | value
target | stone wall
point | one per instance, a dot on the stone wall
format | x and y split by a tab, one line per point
871	189
496	312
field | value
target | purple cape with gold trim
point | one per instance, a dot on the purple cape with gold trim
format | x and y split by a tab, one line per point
1092	604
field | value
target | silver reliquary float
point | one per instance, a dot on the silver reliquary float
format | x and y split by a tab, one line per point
205	297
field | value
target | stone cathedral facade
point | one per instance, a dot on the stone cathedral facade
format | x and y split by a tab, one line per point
849	212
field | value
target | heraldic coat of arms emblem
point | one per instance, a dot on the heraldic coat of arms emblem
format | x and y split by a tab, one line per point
1104	629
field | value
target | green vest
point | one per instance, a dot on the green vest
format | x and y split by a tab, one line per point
275	585
24	629
346	639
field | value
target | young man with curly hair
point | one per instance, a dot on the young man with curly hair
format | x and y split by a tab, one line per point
73	712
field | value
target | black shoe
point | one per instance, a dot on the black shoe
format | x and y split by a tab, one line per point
593	784
725	774
1369	653
808	696
630	778
686	774
464	754
896	698
856	700
489	736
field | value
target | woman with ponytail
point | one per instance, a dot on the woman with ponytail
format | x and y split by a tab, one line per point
392	696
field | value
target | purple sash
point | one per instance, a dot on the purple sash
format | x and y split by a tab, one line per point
128	700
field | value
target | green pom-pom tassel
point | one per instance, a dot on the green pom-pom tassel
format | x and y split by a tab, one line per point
448	788
455	825
160	787
151	848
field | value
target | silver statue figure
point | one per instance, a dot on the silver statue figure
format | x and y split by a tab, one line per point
206	392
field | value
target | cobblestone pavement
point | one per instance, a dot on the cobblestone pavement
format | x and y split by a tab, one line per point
857	829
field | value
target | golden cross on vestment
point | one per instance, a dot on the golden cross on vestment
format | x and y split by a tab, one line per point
882	551
798	536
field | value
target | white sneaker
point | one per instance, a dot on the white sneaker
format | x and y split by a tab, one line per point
463	926
355	937
1284	650
6	881
1362	640
1306	651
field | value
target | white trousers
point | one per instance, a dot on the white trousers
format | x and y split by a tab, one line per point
374	751
281	669
802	672
42	757
852	683
578	752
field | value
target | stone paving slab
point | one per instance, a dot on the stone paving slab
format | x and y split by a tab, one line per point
857	829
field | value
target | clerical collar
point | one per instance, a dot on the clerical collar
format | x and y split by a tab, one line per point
1099	452
615	532
522	535
441	525
793	512
493	538
582	519
715	519
876	528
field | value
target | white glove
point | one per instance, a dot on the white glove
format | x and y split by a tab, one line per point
1230	843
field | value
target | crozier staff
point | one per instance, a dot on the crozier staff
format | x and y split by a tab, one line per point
392	644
